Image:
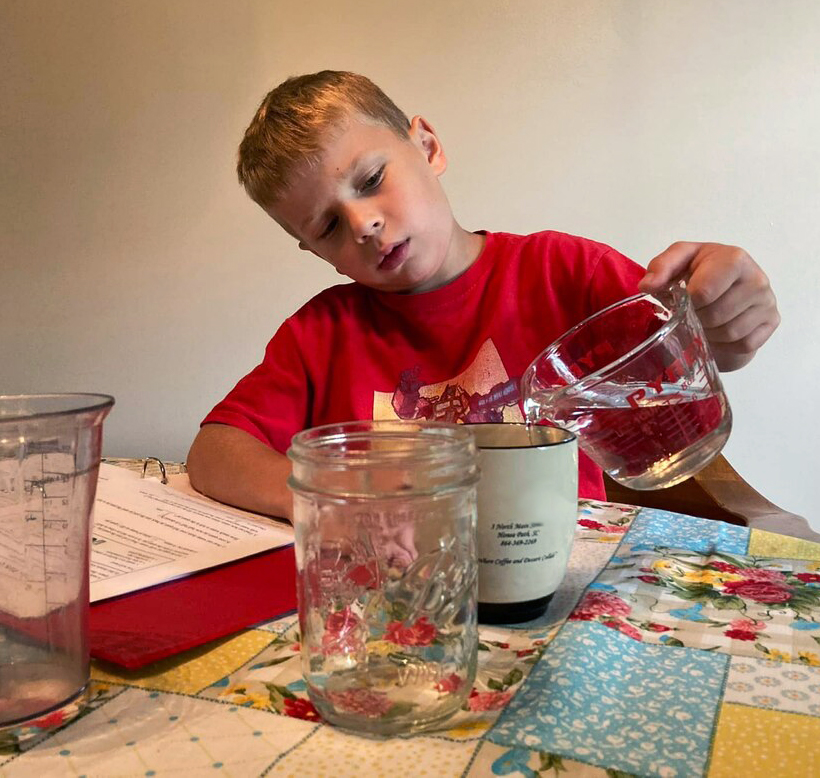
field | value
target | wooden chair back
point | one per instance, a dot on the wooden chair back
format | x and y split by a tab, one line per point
717	492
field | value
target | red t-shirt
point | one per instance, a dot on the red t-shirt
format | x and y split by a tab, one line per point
453	354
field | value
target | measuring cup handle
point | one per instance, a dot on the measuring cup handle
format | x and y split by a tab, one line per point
674	295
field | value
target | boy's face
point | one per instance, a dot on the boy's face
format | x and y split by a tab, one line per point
373	208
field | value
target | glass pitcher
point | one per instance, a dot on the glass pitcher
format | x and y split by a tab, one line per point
637	383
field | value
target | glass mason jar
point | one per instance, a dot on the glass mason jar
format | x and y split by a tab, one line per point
385	520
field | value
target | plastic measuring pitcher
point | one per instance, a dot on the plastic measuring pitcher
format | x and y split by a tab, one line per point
637	384
49	462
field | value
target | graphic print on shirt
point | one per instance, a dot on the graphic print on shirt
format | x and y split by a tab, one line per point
481	393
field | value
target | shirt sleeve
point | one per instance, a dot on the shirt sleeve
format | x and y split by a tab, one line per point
271	402
614	277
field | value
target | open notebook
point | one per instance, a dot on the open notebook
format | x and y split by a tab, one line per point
171	569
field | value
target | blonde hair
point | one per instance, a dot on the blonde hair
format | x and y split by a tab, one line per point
293	121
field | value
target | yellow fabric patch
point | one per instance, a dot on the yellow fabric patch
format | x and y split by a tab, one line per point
770	544
191	671
755	742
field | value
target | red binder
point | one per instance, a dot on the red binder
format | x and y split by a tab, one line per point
139	628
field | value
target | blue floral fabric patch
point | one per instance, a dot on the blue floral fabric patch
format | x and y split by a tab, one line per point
603	698
653	527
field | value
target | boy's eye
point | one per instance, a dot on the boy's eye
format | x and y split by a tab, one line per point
328	230
373	180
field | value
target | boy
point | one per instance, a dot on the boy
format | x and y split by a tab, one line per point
440	322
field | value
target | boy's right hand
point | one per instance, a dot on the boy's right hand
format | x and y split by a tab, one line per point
231	466
730	293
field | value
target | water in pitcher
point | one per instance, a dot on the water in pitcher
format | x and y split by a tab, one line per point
641	436
44	669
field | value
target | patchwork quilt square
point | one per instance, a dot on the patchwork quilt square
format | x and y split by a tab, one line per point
193	671
602	697
763	683
735	604
756	743
654	527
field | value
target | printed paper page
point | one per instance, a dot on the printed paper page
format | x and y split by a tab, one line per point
146	533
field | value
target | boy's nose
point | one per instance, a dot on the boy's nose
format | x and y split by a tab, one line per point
365	224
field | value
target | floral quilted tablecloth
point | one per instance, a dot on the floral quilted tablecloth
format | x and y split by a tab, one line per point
675	646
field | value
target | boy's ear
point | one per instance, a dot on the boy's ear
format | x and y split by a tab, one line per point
425	138
305	247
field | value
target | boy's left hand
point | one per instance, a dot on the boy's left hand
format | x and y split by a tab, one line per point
730	294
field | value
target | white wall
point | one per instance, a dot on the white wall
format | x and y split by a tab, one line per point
133	264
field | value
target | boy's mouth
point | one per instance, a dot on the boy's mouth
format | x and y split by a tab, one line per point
394	256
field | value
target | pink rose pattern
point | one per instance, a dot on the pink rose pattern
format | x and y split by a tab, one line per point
451	683
762	574
420	633
361	701
751	589
614	520
50	720
744	629
344	633
808	577
616	529
623	627
301	709
703	596
597	603
724	567
481	701
503	668
605	608
759	590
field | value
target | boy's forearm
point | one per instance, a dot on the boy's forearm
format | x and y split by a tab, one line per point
232	466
